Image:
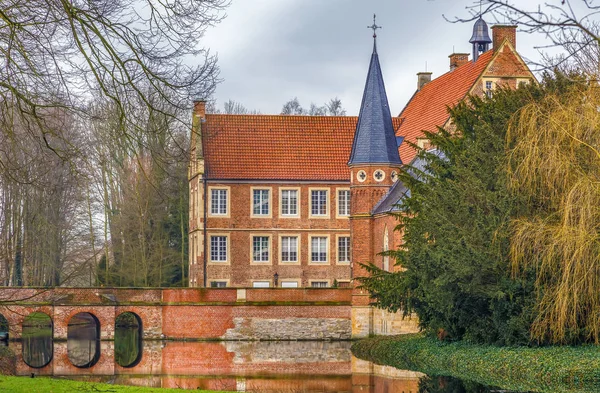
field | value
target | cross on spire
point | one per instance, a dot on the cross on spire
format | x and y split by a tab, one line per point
374	27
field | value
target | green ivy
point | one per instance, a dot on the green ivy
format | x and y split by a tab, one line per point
550	369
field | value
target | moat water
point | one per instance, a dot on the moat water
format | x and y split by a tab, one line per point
267	366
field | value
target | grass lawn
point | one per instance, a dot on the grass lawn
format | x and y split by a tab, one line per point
50	385
548	369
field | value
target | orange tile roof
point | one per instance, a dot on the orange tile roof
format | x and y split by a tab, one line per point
427	109
278	147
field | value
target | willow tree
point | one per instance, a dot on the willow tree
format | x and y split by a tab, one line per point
555	162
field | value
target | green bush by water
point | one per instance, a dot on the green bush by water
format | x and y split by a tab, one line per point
546	369
50	385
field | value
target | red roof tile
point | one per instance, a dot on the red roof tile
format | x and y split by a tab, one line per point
265	147
427	109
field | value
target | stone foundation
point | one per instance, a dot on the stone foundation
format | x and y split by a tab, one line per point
289	329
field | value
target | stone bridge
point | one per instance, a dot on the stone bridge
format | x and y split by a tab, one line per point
191	313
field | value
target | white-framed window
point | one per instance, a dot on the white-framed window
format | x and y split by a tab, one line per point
289	202
218	284
289	284
261	284
489	88
260	248
343	249
260	202
289	249
319	284
218	248
318	202
343	203
218	201
318	249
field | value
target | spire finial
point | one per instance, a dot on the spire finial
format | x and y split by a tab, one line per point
374	27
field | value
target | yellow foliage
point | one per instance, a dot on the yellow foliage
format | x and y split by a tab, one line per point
554	160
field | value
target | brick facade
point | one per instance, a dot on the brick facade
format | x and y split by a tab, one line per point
240	154
239	226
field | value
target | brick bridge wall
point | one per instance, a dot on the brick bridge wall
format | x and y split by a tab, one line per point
191	313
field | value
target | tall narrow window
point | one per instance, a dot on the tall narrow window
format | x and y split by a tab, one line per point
289	249
343	202
218	248
386	247
319	202
489	86
344	249
289	202
261	202
318	249
260	248
218	201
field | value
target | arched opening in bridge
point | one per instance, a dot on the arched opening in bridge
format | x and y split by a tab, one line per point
128	339
83	340
3	329
37	339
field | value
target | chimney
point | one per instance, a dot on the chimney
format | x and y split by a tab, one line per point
423	78
504	32
200	108
458	59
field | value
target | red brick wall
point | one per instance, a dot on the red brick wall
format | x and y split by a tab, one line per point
503	32
365	229
240	226
176	313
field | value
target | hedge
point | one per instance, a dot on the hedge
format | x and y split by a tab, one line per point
543	369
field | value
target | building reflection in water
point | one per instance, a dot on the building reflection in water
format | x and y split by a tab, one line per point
238	366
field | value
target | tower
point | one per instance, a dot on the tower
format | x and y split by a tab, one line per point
373	163
480	38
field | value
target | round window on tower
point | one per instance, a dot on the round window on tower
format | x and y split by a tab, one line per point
394	176
361	176
379	175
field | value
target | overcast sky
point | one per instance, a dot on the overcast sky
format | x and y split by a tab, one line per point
273	50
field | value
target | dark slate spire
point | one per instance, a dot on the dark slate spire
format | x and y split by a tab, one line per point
374	139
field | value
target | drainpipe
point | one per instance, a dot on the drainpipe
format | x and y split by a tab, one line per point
205	217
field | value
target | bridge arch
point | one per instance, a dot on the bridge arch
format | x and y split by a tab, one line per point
83	340
128	339
37	347
4	328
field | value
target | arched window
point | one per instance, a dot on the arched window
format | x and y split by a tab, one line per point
386	247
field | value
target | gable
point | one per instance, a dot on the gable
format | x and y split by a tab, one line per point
507	63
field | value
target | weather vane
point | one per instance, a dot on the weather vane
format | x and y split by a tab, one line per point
374	27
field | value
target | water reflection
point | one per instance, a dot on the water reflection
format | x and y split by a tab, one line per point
37	347
128	339
83	340
250	367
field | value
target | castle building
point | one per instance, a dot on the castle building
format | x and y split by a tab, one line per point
303	201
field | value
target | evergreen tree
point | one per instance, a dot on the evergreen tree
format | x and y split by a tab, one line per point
456	220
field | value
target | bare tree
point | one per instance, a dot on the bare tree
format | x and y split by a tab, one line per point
316	110
334	107
58	52
570	25
292	107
